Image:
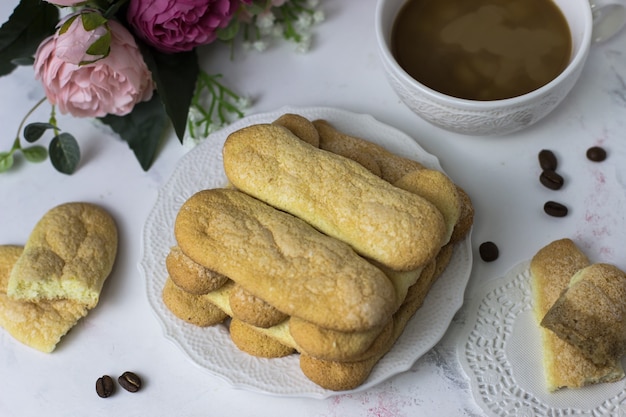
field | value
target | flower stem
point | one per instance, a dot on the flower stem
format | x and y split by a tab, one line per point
16	144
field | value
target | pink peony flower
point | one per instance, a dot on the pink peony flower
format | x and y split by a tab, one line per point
65	3
112	85
179	25
72	45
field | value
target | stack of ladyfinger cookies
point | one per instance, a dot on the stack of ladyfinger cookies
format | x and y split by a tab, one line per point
323	244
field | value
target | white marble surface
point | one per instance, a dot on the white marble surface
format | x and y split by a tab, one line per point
343	71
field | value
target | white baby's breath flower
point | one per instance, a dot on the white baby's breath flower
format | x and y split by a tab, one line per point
259	45
214	127
318	16
277	30
193	136
265	20
304	22
243	103
304	45
190	142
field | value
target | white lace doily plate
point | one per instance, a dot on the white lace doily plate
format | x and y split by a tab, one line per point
211	348
500	351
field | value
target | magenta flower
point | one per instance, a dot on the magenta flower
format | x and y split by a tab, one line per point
179	25
111	85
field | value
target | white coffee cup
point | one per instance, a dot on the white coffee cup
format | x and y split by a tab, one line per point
589	23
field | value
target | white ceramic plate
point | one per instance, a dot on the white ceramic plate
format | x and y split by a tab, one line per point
211	348
500	351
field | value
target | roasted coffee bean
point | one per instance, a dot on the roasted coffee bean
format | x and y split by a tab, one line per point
105	386
551	179
488	251
130	381
555	209
547	160
596	154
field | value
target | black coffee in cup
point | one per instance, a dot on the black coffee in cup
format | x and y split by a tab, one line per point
482	49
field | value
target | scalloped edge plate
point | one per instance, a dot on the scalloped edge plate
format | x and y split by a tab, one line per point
211	348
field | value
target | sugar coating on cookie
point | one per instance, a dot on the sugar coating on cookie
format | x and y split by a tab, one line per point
68	255
191	276
397	228
39	325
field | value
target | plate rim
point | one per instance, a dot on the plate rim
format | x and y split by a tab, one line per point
462	251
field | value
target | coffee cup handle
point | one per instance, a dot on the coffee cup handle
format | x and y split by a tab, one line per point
609	18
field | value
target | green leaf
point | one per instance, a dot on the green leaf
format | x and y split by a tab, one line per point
254	8
6	161
92	20
34	131
229	32
31	22
175	76
35	153
101	47
143	129
64	153
66	25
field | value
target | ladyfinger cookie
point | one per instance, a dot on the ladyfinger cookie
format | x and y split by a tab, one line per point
333	345
591	313
252	310
391	167
404	173
283	260
68	255
466	217
196	309
277	331
437	188
564	365
340	376
255	343
39	325
191	276
301	127
338	196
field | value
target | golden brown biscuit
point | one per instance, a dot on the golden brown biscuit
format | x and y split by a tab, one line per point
466	217
301	127
564	365
339	376
191	276
591	313
397	228
427	273
255	343
437	188
391	167
312	339
252	310
40	325
192	308
332	345
284	261
68	255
